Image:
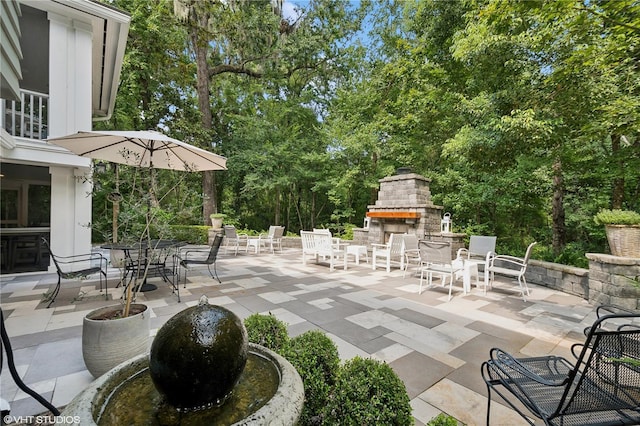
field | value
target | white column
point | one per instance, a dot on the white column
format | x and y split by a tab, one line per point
69	62
70	219
69	111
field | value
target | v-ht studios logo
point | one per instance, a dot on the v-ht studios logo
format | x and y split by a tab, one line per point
54	420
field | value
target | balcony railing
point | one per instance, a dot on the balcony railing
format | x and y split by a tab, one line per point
26	118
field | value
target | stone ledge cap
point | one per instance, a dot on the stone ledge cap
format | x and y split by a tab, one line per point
614	260
408	176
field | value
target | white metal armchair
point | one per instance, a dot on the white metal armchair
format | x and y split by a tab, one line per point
436	259
410	252
481	249
511	266
233	240
272	239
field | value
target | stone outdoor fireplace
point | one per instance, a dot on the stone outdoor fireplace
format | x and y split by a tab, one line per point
403	206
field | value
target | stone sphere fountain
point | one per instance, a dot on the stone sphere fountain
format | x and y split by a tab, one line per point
200	371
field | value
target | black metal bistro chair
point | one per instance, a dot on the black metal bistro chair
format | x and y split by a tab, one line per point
602	386
195	257
78	266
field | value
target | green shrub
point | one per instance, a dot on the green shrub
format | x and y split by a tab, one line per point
193	234
368	392
316	358
442	420
617	217
573	254
267	331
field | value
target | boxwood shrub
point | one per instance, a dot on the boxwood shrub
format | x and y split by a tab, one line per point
368	392
267	331
316	358
443	420
193	234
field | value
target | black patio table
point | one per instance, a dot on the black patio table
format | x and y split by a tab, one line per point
137	260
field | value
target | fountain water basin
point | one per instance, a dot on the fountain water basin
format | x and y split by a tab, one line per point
267	390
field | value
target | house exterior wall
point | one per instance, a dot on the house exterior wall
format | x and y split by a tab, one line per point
10	53
76	34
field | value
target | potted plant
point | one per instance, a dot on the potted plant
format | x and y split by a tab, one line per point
117	333
109	338
216	220
623	231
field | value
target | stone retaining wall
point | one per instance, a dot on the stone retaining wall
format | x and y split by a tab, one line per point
568	279
609	279
614	280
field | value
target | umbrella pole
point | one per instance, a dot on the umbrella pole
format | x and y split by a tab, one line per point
116	206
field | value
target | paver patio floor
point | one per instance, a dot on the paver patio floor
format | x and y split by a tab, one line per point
436	347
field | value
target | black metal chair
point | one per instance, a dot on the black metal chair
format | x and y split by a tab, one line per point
182	260
66	266
602	387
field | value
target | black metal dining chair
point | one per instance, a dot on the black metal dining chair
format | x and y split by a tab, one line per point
195	257
77	267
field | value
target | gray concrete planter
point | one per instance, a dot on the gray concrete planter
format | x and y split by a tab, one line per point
107	343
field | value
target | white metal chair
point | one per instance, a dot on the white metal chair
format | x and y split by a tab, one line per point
234	240
272	239
410	251
511	266
481	249
436	259
390	252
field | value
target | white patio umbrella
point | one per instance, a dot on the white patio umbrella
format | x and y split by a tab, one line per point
148	149
145	148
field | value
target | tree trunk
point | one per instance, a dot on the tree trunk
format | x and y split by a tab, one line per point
210	200
617	197
313	209
559	228
277	207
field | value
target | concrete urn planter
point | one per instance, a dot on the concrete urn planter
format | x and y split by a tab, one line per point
216	221
109	342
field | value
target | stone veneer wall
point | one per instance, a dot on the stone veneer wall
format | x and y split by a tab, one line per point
609	279
614	280
568	279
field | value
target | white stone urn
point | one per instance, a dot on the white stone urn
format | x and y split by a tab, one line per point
216	220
